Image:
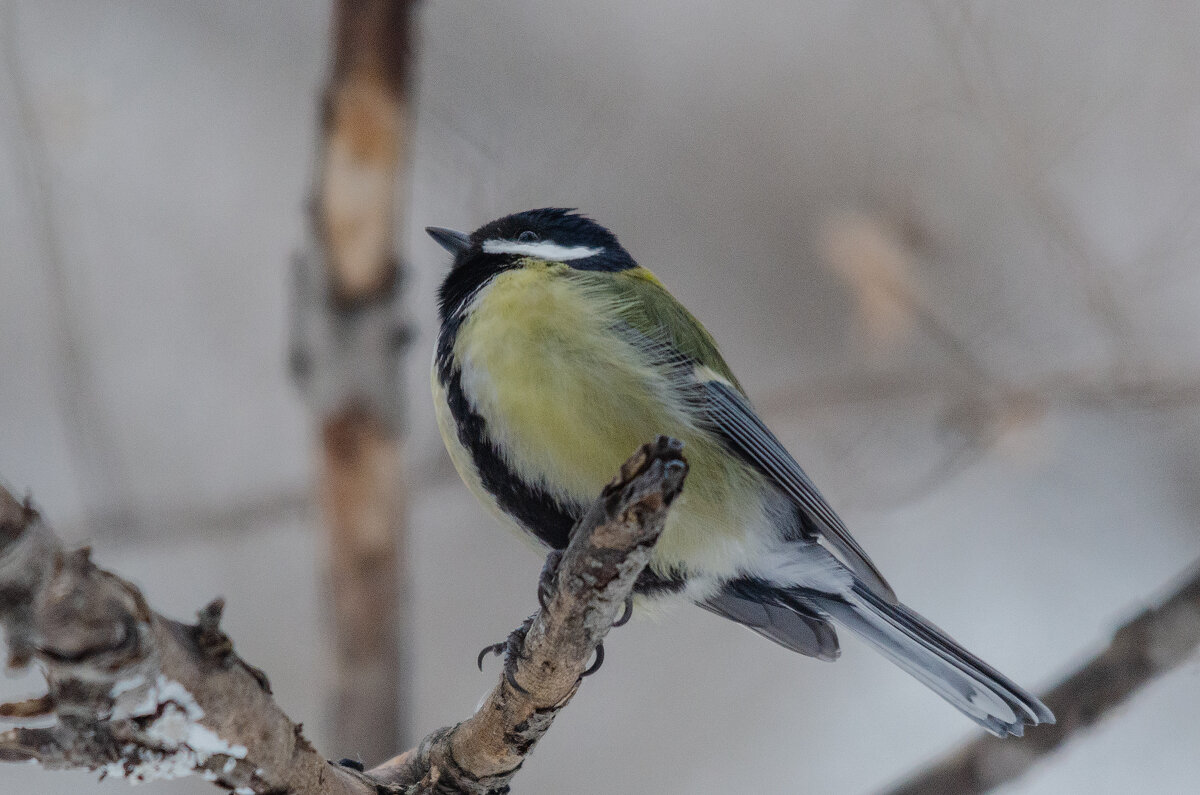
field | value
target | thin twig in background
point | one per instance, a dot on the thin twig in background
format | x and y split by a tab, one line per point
878	261
985	96
1156	641
89	430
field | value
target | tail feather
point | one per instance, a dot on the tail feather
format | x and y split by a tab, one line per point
978	690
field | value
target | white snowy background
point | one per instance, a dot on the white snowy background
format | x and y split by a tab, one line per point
1029	170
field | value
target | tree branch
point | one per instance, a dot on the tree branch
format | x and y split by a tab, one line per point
143	697
1149	645
609	548
135	694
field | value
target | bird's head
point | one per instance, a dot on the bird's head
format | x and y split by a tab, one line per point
551	234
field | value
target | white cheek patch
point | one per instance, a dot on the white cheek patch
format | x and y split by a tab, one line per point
551	252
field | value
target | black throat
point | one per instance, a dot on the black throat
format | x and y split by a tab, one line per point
469	273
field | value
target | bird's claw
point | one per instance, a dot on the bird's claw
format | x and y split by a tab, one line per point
510	648
495	648
629	613
512	681
546	579
595	666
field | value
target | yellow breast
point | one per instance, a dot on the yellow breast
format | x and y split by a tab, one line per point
566	400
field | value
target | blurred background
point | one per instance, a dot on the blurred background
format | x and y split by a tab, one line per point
949	248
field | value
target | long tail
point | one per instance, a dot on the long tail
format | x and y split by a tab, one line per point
981	692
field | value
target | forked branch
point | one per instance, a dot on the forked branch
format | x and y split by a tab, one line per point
143	697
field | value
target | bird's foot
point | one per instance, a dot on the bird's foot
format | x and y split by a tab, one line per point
510	649
546	579
546	586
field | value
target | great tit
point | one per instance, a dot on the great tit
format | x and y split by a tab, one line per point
558	355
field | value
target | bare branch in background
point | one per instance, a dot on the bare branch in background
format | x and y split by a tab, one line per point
89	430
877	262
1151	391
980	419
142	697
986	97
348	340
876	259
1148	646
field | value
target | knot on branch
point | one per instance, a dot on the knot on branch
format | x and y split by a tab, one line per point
213	643
28	558
664	467
79	623
217	647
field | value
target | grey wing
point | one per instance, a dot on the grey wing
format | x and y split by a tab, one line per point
794	628
730	415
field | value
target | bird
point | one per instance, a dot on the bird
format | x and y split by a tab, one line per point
558	355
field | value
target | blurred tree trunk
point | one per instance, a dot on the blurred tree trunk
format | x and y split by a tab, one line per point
350	365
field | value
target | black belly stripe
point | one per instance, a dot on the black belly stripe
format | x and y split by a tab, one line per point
531	507
534	509
651	583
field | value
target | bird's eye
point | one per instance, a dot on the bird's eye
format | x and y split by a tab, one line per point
528	236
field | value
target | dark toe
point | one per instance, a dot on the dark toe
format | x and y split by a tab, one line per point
595	666
495	648
628	614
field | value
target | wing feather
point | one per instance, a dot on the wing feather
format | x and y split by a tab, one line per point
791	625
731	415
650	316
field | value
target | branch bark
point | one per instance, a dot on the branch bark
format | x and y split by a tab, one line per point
1152	643
140	696
134	694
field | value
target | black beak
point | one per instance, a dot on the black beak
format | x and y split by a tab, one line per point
454	242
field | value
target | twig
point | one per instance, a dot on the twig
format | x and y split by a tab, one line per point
143	697
1149	645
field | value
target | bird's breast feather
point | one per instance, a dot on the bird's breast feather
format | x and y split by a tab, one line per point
565	397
